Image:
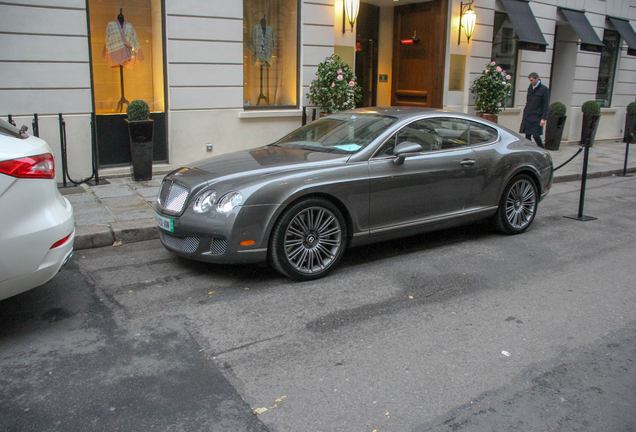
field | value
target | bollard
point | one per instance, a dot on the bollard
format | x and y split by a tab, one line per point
36	126
63	147
630	138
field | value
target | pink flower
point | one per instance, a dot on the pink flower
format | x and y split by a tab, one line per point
504	83
508	77
498	103
493	63
333	84
351	83
339	71
499	69
340	77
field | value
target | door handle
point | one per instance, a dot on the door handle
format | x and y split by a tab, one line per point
467	162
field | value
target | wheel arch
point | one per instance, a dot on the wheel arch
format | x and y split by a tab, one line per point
321	195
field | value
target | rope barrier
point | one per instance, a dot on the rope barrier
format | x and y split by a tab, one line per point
569	160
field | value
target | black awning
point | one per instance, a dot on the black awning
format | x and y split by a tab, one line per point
525	24
627	33
589	39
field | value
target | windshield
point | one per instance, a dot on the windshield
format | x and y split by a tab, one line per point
338	133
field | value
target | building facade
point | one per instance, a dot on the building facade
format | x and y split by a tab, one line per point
221	76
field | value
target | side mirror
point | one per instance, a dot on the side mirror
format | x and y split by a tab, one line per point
403	149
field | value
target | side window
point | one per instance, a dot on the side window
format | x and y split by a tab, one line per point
452	132
432	134
480	134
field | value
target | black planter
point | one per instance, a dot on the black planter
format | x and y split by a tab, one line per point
588	129
140	133
554	131
630	127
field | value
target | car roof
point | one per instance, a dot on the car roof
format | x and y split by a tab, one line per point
401	112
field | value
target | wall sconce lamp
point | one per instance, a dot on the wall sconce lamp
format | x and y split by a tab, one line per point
467	19
350	9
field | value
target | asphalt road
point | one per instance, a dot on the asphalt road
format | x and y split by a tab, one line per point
460	330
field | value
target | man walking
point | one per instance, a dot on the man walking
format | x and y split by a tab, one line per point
535	114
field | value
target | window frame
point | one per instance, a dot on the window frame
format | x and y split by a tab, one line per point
299	90
515	55
612	81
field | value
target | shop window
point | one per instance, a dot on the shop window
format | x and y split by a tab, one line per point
270	53
125	70
505	50
607	68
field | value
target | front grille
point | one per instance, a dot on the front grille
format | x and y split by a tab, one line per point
186	244
172	196
218	246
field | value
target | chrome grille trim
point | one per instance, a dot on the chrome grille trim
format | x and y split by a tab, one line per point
186	244
172	196
218	246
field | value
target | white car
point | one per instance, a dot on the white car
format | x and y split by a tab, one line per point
38	227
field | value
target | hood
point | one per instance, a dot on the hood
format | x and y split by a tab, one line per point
257	162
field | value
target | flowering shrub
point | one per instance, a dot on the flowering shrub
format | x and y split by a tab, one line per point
335	87
491	89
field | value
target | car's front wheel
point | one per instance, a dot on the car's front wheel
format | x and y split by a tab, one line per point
518	205
308	240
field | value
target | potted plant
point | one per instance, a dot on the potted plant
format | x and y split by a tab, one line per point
335	88
491	90
140	131
630	122
556	124
591	117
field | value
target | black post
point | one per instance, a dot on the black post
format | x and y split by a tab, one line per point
63	147
630	138
94	147
11	120
313	115
304	116
36	126
586	156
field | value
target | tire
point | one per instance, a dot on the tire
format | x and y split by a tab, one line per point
308	240
517	206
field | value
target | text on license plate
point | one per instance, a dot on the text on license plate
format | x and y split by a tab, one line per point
165	223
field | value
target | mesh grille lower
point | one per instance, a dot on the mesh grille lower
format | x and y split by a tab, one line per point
218	246
186	244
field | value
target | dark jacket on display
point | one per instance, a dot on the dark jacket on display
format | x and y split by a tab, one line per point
537	106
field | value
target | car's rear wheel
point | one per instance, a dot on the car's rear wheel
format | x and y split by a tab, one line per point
308	240
518	205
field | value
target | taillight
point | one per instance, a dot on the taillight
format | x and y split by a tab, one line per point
41	166
61	242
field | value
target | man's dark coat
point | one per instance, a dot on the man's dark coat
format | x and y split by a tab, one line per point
537	106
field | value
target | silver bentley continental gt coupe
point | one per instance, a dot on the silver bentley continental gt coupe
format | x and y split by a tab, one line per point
348	179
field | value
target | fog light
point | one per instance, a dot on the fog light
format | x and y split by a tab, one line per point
247	242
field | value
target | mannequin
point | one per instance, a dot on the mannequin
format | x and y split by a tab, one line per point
122	49
261	45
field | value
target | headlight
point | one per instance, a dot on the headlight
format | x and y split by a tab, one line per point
229	202
204	202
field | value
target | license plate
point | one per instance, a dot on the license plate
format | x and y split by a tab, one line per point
165	223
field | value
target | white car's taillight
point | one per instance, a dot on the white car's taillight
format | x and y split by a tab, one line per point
41	166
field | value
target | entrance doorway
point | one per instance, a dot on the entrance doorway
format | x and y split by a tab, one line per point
419	47
367	53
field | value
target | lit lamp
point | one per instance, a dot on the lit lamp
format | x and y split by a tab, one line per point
350	11
467	19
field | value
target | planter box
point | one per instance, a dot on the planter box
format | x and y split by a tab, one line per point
140	134
588	129
554	131
491	117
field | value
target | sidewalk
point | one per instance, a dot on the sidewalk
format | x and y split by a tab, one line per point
122	211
